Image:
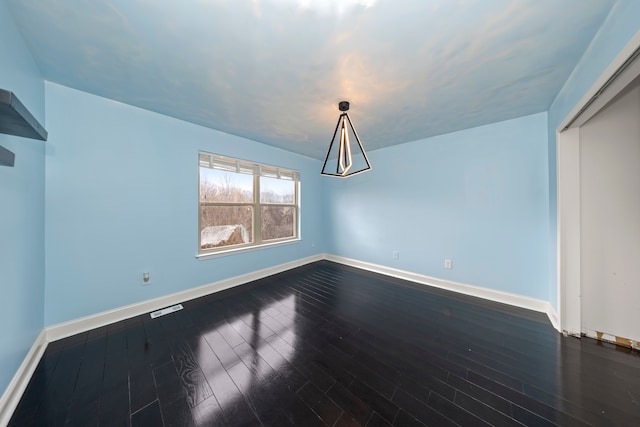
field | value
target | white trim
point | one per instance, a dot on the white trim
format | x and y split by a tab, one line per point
218	162
16	387
553	317
569	225
83	324
515	300
617	62
568	186
208	255
20	380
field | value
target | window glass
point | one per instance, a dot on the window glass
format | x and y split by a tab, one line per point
225	226
245	204
224	186
278	222
274	190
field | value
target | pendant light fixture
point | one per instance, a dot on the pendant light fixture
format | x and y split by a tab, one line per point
340	160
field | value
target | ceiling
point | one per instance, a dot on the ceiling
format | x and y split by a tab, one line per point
274	70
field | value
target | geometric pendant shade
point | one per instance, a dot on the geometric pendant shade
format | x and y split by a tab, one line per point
345	157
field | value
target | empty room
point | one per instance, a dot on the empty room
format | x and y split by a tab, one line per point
320	213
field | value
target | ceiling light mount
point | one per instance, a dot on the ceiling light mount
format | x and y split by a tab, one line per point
347	162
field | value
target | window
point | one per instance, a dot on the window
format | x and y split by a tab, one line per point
245	204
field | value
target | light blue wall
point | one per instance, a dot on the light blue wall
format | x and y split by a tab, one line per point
620	26
21	210
121	199
478	197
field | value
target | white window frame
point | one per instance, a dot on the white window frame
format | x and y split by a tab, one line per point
257	170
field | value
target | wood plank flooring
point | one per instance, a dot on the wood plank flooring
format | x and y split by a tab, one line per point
329	345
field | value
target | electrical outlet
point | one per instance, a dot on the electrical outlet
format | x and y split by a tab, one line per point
396	255
146	278
448	264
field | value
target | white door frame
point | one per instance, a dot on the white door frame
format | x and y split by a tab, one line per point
609	84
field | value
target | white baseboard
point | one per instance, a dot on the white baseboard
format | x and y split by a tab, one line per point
18	384
552	314
13	393
83	324
462	288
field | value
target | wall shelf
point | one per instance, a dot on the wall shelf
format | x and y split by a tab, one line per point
16	120
6	157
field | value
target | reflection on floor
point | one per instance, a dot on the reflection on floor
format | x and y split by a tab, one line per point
326	344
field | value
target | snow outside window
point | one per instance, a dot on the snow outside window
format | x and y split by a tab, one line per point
244	204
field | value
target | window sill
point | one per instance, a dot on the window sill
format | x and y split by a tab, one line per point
245	249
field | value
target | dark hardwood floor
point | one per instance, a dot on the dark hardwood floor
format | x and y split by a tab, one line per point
331	345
